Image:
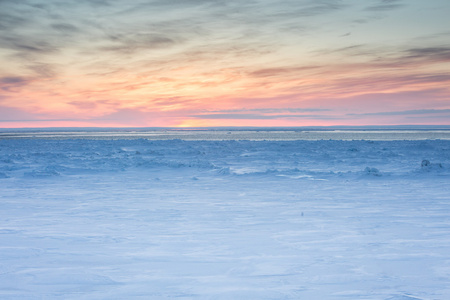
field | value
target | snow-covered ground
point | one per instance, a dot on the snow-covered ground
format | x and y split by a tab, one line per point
174	219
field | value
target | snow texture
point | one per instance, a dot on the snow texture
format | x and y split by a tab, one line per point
141	219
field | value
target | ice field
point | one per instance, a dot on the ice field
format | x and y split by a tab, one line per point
233	219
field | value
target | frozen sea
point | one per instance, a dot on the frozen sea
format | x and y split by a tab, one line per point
225	214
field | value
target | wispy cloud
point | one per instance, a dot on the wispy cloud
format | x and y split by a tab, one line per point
315	8
268	72
11	114
232	116
43	70
65	27
128	44
10	83
24	46
407	112
13	80
9	21
438	54
270	110
385	5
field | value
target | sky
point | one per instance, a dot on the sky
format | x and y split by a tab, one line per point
194	63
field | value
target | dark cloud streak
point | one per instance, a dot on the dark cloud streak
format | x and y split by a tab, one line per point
134	43
65	28
13	80
10	83
441	53
10	21
269	72
43	70
233	116
270	110
385	5
406	112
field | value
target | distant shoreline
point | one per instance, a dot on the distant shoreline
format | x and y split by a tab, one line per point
390	133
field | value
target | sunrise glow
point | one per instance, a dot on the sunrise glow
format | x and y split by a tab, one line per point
113	63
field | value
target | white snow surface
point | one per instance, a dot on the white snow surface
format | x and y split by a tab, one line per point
175	219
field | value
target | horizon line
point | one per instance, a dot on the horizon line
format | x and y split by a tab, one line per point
415	126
